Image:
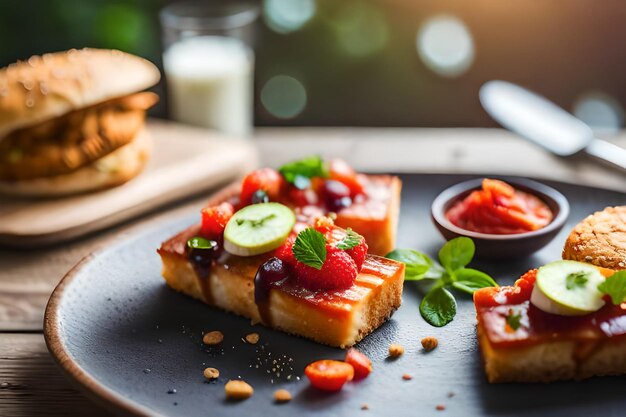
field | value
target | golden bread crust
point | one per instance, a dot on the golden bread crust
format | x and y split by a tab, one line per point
342	324
48	86
600	239
342	319
552	361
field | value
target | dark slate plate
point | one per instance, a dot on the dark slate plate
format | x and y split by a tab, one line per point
128	340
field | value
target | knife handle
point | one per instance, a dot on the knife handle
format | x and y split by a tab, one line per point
608	153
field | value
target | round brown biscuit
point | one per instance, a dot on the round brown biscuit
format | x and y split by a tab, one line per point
600	239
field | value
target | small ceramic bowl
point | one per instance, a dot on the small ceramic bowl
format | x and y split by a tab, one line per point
494	246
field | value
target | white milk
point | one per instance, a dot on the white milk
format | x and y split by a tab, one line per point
209	82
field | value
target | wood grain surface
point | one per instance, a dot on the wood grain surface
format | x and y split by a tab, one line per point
185	161
31	385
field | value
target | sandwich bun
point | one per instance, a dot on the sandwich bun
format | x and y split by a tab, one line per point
111	170
51	85
72	122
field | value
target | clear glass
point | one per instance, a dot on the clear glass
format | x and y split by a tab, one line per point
209	64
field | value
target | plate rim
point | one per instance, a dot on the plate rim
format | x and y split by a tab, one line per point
80	378
86	382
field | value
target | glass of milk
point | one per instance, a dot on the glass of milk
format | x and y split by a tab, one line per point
209	65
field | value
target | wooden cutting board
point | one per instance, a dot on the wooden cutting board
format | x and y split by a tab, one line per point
185	161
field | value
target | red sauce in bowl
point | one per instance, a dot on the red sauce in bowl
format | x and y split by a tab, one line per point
498	208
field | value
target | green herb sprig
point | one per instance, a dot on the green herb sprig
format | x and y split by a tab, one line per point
514	320
351	240
310	248
615	287
438	307
299	173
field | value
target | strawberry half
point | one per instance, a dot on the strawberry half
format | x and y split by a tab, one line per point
339	271
214	219
285	251
358	253
265	179
334	235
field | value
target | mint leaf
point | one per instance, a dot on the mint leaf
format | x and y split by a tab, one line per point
300	172
615	287
438	307
310	248
470	280
351	240
436	271
416	264
198	242
576	280
457	253
513	320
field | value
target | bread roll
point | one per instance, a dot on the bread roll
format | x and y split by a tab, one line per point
48	86
114	169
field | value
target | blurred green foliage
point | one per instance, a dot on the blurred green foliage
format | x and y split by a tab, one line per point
129	25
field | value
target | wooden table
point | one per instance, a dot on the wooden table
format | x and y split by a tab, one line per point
30	383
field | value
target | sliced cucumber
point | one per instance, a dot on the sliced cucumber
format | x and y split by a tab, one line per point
568	288
258	228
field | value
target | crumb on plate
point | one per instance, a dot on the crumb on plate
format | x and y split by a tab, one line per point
213	338
211	373
429	343
237	389
282	396
252	338
395	350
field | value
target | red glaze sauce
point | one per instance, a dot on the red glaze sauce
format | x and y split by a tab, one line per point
493	305
500	209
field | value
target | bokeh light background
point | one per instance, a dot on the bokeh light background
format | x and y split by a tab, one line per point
376	62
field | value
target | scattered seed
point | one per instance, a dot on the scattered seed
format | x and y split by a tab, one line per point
396	350
238	390
365	407
407	377
211	373
213	338
440	407
451	394
282	396
252	338
429	343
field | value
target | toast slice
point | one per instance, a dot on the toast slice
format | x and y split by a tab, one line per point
336	318
369	204
546	347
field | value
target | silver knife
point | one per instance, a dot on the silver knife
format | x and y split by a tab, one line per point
546	124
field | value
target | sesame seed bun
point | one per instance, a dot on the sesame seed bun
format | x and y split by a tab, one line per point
111	170
51	85
600	239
